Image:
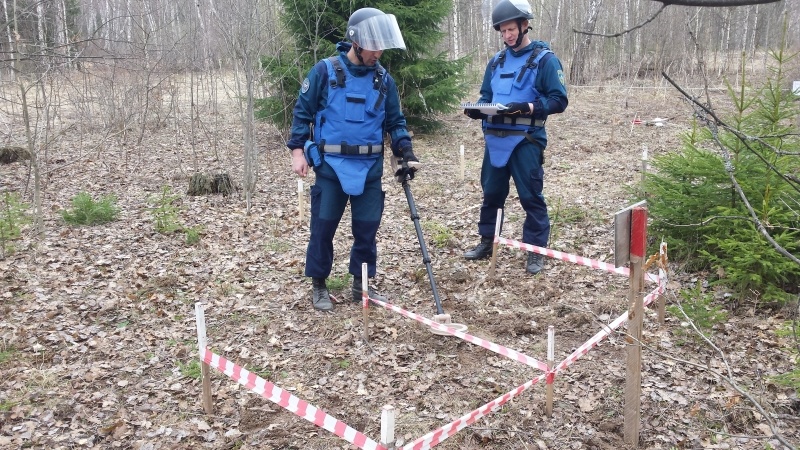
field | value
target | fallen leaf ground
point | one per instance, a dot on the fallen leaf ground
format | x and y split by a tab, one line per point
97	327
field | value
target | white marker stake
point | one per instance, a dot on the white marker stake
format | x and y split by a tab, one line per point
300	206
205	370
644	162
387	427
551	356
365	302
462	162
494	245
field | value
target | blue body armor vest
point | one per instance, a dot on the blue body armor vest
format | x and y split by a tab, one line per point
355	111
513	80
349	131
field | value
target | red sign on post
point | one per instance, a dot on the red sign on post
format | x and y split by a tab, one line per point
623	234
638	231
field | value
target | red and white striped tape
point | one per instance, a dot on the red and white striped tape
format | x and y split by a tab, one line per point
593	263
288	401
437	436
499	349
605	332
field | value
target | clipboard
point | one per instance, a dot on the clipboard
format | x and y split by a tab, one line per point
486	108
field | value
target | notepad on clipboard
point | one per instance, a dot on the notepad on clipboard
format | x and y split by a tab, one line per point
486	108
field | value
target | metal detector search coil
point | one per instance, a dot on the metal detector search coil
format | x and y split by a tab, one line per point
486	108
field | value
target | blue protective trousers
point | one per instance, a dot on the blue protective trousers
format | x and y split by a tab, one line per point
525	167
328	202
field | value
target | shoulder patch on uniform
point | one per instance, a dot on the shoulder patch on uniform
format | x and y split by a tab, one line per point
307	84
561	77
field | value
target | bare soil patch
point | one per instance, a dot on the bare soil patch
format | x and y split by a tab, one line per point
97	324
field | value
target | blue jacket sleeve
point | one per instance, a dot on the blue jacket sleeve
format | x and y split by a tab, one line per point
395	122
312	98
550	83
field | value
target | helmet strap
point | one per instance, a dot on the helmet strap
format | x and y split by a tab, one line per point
357	50
522	32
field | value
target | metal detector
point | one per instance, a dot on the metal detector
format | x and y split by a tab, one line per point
404	178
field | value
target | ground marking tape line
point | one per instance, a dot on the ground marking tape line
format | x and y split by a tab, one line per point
499	349
290	402
605	332
437	436
593	263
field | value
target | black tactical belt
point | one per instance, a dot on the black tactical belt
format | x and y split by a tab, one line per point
515	121
351	149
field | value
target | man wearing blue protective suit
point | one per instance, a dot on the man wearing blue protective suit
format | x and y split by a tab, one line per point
528	79
346	105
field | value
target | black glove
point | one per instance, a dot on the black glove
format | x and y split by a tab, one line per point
406	154
474	114
515	108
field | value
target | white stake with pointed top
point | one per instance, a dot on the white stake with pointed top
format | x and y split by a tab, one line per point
205	370
551	356
462	162
387	426
300	206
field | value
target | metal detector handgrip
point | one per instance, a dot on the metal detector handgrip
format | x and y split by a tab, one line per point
400	168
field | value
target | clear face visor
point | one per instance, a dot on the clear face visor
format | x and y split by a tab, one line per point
379	33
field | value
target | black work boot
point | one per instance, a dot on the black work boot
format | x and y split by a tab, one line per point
535	263
358	290
321	298
482	251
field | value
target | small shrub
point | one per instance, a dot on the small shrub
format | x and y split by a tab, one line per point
440	234
789	379
339	282
87	211
714	228
165	212
193	235
5	355
698	308
191	370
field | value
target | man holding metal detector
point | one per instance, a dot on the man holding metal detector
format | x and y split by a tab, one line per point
526	80
346	105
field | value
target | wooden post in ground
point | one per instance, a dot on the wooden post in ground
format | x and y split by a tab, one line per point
662	273
387	427
461	159
365	302
551	356
205	370
494	244
300	205
633	379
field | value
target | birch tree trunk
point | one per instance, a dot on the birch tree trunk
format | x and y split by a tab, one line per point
455	35
577	70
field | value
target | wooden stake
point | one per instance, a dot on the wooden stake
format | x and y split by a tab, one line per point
300	205
662	276
497	225
387	427
633	379
205	370
551	356
644	164
462	162
365	303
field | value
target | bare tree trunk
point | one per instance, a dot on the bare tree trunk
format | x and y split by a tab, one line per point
577	70
455	35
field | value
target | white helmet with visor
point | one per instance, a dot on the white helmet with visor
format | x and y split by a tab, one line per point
374	30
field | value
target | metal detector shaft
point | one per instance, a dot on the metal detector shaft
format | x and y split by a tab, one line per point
425	258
